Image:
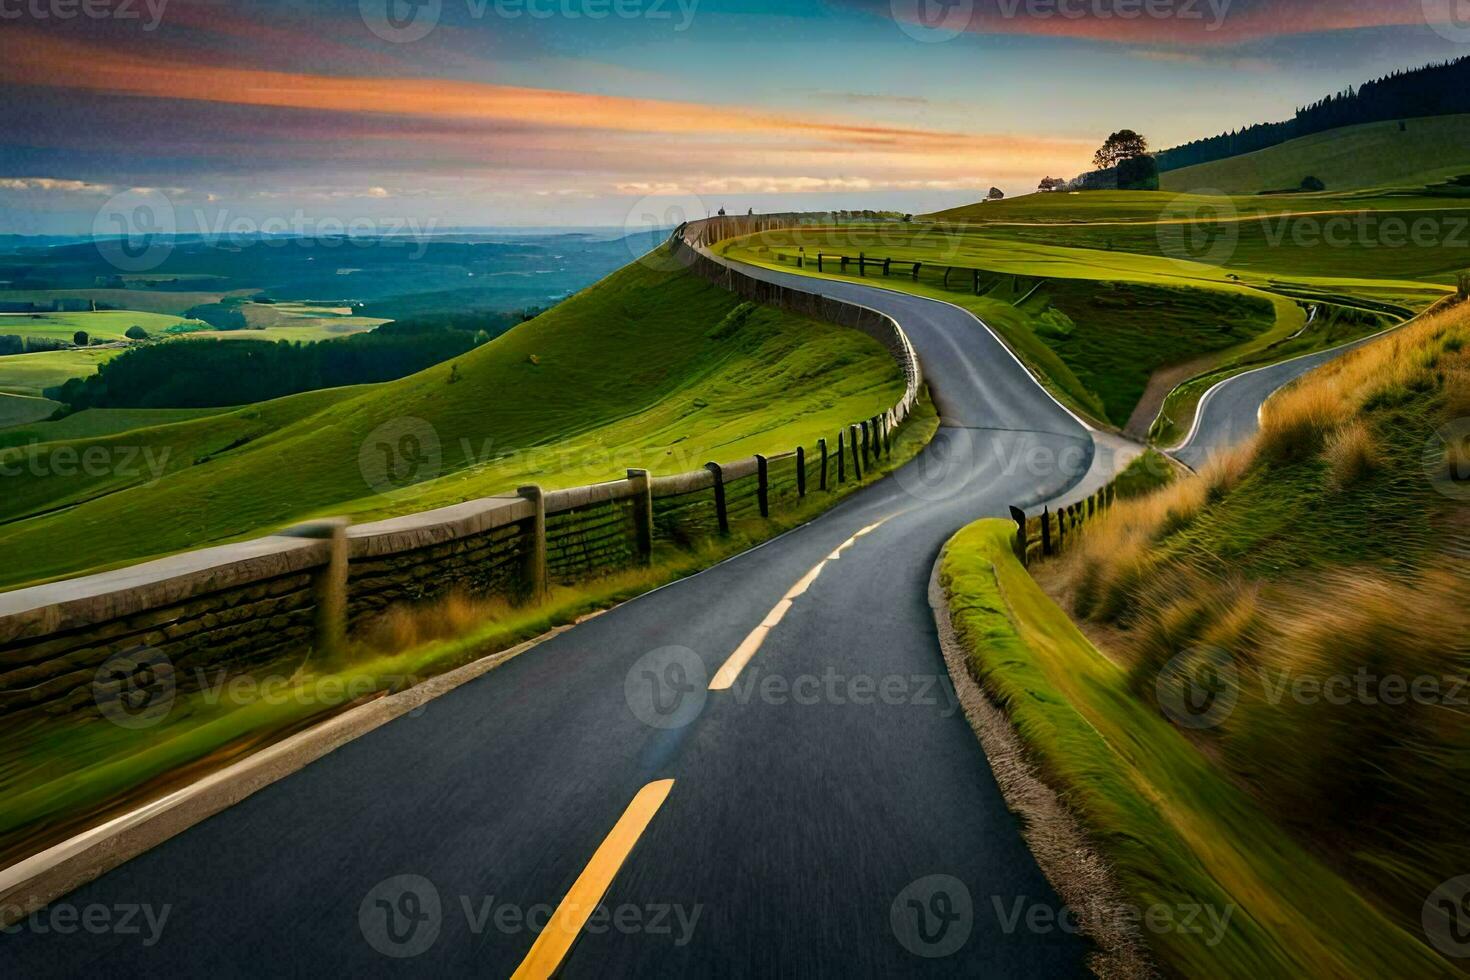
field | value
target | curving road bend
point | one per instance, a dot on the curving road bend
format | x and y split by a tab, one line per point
1229	413
831	813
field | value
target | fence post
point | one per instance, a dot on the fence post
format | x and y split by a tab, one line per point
1061	529
763	484
643	513
329	583
1046	532
721	513
822	445
534	572
1019	516
916	270
841	458
976	284
867	460
947	270
800	471
819	262
857	466
801	260
844	265
886	264
888	424
1091	506
862	264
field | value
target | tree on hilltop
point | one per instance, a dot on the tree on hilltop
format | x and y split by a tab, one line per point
1125	144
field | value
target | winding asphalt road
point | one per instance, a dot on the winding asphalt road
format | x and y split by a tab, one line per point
1229	413
831	814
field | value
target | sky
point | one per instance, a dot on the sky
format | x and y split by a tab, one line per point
430	115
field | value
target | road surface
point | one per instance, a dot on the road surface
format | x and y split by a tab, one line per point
1229	413
830	814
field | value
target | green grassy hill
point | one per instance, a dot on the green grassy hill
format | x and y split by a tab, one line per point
649	369
1330	549
1428	151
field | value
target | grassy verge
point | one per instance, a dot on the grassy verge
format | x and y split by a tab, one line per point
61	775
1177	832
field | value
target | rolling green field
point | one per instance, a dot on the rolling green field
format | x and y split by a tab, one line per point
23	409
31	374
1430	151
1115	300
103	325
300	321
1092	326
644	369
96	422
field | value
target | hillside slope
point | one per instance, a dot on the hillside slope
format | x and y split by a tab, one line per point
1428	151
646	368
1315	580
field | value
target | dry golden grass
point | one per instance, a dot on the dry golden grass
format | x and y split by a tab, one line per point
1353	453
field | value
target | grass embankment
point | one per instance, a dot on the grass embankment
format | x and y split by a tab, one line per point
1176	830
1330	549
61	775
1313	582
659	370
1428	151
1093	326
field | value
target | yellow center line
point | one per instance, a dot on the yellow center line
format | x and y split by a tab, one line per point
729	672
566	923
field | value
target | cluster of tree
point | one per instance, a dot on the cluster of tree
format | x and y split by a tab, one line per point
16	344
221	316
1434	90
215	373
1049	184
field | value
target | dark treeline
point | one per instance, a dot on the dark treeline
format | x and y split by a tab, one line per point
1435	90
207	373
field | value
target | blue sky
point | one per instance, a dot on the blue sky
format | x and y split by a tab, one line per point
541	112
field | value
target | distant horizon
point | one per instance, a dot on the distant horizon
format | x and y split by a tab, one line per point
507	115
